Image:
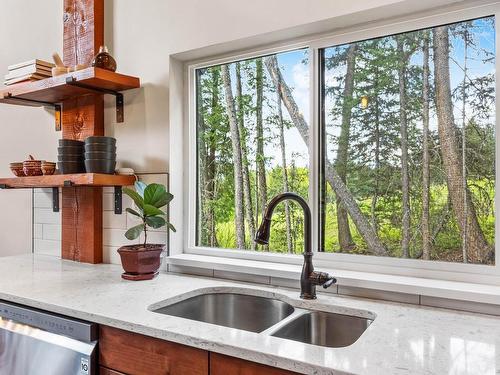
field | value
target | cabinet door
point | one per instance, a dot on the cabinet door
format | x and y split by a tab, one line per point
224	365
136	354
107	371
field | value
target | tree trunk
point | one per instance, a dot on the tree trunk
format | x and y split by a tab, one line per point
344	232
202	152
464	145
331	175
376	135
288	221
260	158
405	180
426	238
247	195
238	174
478	248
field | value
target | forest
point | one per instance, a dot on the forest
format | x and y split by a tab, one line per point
408	140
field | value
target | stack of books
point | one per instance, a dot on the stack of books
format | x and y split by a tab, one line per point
32	70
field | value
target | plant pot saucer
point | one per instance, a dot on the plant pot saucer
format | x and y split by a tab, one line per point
139	276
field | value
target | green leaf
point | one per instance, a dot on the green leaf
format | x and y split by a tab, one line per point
133	212
140	187
156	195
134	232
152	211
171	227
155	222
135	197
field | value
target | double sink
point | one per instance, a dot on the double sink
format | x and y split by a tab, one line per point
269	316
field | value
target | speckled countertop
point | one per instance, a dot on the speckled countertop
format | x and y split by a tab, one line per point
402	339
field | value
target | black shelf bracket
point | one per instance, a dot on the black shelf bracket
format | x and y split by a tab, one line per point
57	107
68	183
119	96
3	186
55	199
118	200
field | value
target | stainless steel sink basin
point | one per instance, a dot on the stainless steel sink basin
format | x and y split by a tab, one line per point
247	312
324	329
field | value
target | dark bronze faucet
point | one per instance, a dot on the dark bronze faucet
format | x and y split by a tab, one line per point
309	278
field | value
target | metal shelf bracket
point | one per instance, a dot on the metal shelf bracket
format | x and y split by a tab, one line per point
119	96
57	107
55	199
118	200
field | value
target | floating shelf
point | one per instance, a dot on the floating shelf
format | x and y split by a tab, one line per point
66	180
56	90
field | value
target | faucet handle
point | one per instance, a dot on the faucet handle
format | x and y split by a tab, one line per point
323	279
330	282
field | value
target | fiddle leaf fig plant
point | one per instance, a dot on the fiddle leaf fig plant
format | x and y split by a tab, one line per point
149	199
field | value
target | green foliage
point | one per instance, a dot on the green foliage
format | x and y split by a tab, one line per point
148	199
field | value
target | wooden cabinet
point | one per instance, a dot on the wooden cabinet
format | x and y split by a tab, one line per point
135	354
224	365
126	353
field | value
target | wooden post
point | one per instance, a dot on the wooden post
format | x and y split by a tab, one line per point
82	117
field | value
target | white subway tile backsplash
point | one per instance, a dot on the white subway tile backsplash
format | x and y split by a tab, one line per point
42	200
110	255
116	237
110	220
52	232
47	247
38	231
47	216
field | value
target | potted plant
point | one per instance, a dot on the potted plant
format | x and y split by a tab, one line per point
142	261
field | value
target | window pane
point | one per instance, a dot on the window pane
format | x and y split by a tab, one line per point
251	130
409	138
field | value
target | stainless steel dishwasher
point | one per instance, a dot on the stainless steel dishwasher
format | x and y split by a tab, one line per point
35	342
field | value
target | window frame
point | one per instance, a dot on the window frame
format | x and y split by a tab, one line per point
365	263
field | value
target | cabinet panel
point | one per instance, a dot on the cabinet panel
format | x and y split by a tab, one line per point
135	354
224	365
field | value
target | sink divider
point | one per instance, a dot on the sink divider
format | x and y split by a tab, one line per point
298	312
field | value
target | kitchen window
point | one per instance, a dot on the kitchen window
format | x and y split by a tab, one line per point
389	132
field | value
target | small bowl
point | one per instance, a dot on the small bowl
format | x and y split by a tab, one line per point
102	140
18	170
32	167
48	169
100	155
91	147
69	167
100	166
71	143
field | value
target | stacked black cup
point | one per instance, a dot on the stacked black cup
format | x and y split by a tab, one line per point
71	156
100	155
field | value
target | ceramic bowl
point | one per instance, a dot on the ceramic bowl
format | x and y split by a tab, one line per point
71	143
70	150
17	169
48	168
100	155
91	147
32	167
69	167
102	140
100	166
70	157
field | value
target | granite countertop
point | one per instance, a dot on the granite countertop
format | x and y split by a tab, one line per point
402	339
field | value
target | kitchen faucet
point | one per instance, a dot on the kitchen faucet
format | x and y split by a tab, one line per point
309	278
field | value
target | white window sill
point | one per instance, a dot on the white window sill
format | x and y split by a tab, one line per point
461	291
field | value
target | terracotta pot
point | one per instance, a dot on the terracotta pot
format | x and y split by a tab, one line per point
139	262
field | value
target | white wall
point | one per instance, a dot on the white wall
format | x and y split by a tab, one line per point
141	35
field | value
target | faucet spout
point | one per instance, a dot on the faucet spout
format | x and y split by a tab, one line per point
309	278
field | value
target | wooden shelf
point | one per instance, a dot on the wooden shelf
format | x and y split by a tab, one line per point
64	180
56	90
